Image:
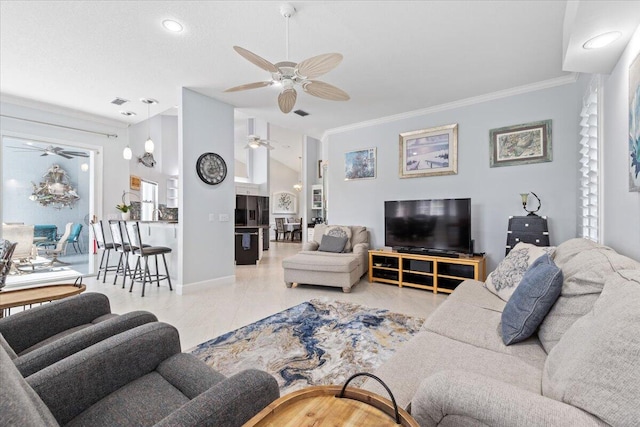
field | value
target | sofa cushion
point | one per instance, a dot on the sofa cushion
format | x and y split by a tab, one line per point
340	231
5	345
531	301
359	234
473	292
21	406
595	366
188	374
332	243
584	274
122	407
325	261
507	276
428	352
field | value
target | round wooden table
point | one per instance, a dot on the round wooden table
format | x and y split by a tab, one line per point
319	406
38	294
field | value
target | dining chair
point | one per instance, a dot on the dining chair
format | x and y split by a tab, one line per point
60	249
297	231
74	238
281	229
6	252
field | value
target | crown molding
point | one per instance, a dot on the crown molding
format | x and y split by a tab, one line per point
63	111
545	84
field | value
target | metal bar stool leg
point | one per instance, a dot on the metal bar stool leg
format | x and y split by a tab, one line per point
166	269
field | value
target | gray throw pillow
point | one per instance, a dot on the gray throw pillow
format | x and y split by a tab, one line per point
332	243
531	301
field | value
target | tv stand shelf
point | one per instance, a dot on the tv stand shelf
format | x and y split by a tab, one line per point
433	273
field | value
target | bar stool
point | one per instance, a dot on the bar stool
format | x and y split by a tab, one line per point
140	250
121	247
106	247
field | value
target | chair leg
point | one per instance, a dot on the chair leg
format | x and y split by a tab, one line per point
166	269
118	268
135	274
157	271
106	266
145	274
101	266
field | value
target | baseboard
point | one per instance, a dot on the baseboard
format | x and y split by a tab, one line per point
182	289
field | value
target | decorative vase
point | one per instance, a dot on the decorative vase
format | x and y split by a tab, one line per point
126	216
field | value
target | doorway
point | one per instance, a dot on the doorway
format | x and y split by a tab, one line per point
46	186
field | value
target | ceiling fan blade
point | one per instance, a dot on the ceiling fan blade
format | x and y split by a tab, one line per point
44	154
26	147
248	86
318	65
287	99
61	154
256	60
325	90
74	153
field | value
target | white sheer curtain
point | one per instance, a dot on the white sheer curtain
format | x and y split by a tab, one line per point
589	212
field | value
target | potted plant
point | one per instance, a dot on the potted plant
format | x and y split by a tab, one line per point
125	211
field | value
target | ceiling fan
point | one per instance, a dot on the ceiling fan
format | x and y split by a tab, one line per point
254	141
51	150
288	74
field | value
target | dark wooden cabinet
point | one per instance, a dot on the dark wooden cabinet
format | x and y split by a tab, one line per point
528	229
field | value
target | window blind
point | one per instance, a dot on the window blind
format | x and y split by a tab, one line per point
589	212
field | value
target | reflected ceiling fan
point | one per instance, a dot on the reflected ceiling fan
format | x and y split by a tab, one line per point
288	74
254	141
51	150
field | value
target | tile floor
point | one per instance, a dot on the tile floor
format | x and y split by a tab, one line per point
258	292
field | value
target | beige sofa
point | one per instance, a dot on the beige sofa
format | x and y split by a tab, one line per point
341	270
581	367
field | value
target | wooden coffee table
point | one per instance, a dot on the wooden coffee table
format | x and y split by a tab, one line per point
319	406
28	296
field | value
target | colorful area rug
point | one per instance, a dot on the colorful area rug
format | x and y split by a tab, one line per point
314	343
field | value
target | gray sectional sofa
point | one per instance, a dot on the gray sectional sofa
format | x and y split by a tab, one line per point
581	367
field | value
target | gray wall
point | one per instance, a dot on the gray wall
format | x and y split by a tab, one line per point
621	208
207	255
494	192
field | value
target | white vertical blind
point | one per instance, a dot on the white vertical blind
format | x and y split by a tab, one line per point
589	164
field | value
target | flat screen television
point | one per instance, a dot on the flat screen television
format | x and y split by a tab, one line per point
423	225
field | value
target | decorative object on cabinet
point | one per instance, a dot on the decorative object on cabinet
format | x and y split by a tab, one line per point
520	144
531	229
434	273
317	196
634	125
56	189
211	168
360	164
284	202
429	152
525	200
134	182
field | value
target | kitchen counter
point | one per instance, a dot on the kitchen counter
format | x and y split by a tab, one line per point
161	221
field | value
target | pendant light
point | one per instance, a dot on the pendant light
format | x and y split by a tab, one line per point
148	145
126	153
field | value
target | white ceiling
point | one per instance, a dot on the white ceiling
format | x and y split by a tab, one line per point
399	56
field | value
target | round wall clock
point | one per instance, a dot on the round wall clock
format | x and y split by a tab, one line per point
211	168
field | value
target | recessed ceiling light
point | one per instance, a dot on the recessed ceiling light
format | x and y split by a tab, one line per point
171	25
602	40
127	113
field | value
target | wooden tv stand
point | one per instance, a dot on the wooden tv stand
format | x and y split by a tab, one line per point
434	273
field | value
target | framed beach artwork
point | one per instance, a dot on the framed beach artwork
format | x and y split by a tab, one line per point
284	202
429	152
360	164
634	125
520	144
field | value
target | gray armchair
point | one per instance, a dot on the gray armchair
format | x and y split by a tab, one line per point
137	378
43	335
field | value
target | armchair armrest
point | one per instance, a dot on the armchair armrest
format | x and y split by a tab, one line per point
46	355
464	397
310	246
362	251
231	402
72	385
27	328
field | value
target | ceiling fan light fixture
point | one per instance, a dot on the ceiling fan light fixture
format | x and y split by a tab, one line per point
254	144
602	40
